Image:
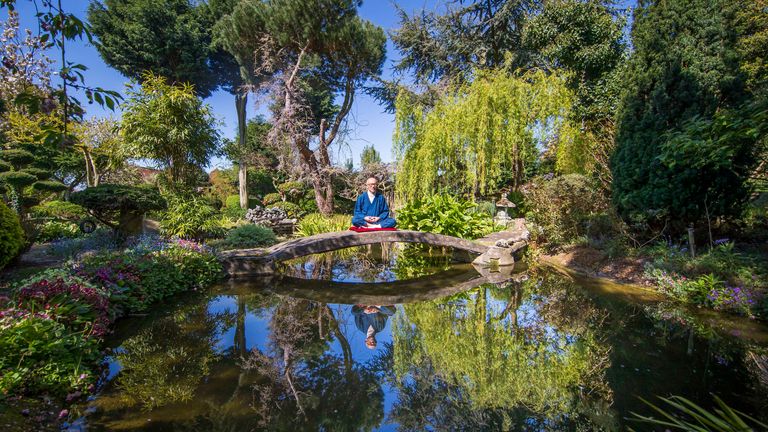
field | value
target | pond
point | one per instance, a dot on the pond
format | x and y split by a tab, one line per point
418	343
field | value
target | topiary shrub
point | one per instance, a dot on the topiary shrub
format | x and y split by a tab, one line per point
249	236
59	209
11	235
271	198
120	206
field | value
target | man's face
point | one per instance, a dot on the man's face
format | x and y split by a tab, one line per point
371	185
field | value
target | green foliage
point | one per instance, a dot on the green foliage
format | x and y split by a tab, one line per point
54	230
315	223
685	415
5	166
40	354
167	123
445	214
17	157
563	206
684	69
232	201
291	189
190	217
170	38
49	342
152	270
59	209
480	136
585	39
249	236
11	235
49	186
369	156
271	198
721	278
17	179
453	45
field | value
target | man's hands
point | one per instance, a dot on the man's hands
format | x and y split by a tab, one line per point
371	219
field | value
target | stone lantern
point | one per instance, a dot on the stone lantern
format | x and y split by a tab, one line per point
502	217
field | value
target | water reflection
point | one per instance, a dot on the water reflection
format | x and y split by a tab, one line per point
540	354
371	319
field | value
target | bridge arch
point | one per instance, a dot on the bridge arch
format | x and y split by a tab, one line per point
245	262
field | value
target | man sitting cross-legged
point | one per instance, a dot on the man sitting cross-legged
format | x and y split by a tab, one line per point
371	209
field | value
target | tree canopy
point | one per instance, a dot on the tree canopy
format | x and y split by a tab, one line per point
168	124
481	136
170	38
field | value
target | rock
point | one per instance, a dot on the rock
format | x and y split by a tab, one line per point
502	243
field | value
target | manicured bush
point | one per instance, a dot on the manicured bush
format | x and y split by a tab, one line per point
120	206
249	236
563	206
59	209
445	214
315	223
271	198
232	201
11	235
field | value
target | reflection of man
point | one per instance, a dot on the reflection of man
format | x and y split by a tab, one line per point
371	320
371	209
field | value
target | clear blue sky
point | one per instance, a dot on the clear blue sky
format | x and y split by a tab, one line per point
369	124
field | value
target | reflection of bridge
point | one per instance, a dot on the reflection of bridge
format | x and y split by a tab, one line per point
458	279
244	262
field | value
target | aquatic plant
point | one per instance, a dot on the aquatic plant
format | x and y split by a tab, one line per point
686	415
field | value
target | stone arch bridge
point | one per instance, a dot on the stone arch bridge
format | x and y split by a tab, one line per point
247	262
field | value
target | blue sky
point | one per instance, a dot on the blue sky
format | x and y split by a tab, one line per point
369	124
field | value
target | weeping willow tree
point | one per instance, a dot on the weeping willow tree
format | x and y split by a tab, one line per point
500	360
482	135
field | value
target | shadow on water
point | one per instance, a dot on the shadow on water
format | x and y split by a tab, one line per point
537	353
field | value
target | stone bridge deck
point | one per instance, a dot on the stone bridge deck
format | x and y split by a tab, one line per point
243	262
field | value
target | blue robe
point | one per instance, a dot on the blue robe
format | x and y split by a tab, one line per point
364	207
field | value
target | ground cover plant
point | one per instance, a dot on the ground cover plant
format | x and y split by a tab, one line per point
52	324
722	278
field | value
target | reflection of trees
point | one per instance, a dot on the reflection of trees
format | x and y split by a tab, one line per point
165	363
382	262
475	362
417	260
301	386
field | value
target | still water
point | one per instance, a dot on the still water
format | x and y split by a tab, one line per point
418	342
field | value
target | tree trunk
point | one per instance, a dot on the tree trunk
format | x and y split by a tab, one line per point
323	193
242	176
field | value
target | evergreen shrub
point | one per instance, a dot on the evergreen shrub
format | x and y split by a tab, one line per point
249	236
11	235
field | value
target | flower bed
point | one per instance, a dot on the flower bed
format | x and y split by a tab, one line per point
50	331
